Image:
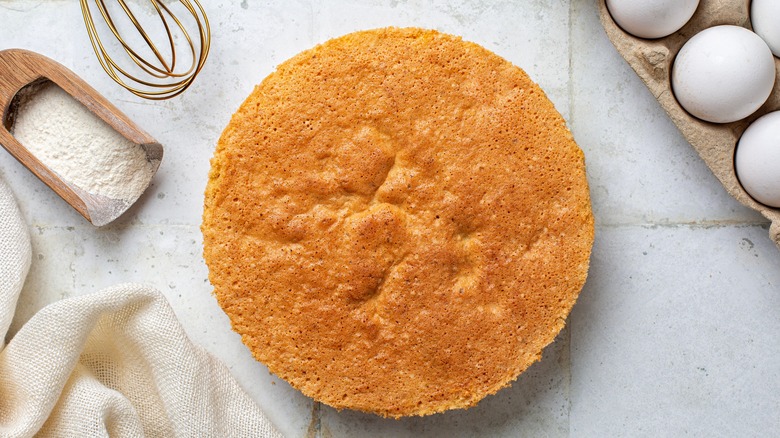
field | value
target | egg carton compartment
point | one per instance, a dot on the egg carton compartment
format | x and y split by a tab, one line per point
652	60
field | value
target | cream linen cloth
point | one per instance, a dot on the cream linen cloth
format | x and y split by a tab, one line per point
116	363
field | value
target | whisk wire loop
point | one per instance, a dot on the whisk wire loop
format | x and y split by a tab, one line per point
163	81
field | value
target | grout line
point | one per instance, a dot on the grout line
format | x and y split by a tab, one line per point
318	424
313	34
121	227
691	225
568	378
570	86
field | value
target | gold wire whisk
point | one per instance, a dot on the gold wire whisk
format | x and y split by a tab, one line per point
162	80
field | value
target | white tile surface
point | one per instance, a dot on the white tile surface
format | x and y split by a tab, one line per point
664	346
675	332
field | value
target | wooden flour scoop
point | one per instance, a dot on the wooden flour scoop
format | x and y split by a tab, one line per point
652	60
20	69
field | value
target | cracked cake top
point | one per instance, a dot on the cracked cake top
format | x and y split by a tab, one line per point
397	221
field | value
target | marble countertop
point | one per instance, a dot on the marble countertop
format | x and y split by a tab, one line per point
677	331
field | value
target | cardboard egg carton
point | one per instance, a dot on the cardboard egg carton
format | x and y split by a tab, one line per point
652	60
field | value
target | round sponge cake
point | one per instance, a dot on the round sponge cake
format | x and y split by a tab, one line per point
397	221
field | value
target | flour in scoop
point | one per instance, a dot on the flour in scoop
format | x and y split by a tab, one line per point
76	144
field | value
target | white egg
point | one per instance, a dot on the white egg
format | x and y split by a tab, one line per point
651	18
723	74
757	159
765	17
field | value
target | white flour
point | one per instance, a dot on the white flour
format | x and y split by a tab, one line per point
79	146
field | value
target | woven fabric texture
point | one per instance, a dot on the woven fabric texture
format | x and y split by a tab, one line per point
115	363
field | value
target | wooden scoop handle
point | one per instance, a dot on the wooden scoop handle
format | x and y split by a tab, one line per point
18	69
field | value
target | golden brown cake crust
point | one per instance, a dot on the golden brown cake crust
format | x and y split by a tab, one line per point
397	221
